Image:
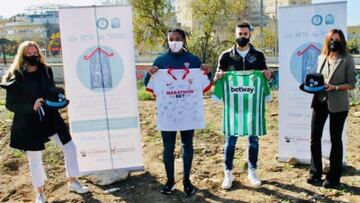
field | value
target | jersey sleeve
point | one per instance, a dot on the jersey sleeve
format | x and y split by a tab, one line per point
205	82
150	87
218	93
267	93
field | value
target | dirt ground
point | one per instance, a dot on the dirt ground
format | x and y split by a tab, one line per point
281	182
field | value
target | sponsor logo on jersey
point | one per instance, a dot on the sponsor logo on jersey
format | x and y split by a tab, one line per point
174	92
179	93
242	89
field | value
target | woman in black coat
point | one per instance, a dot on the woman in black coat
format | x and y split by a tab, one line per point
28	81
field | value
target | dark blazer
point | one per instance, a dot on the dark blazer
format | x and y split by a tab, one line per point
28	132
343	73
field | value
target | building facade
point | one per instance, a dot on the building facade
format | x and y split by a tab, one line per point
37	23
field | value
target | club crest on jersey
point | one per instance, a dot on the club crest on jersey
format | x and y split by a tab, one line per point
230	78
190	81
187	65
242	89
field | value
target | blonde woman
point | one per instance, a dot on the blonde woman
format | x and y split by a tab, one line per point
27	82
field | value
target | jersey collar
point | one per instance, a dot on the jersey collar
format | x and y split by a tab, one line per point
186	72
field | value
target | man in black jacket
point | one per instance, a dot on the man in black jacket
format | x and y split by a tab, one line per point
242	56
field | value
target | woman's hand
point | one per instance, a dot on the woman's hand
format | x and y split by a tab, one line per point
330	87
38	103
153	70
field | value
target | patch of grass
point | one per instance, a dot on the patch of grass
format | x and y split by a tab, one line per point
208	128
209	131
143	95
154	137
288	166
19	154
52	153
8	115
355	96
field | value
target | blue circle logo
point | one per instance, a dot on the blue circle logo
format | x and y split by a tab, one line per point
316	20
304	60
102	23
100	68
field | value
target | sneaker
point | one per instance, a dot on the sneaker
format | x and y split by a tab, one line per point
254	180
40	197
168	187
331	184
189	189
228	179
77	187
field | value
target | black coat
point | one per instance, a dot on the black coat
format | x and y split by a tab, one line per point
230	60
28	132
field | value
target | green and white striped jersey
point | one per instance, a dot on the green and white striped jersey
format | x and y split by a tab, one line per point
243	94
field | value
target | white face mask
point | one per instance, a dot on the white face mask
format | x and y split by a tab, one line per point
176	46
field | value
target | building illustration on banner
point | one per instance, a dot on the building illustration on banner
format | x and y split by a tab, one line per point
100	70
309	58
304	60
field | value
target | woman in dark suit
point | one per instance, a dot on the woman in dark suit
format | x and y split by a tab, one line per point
27	83
338	68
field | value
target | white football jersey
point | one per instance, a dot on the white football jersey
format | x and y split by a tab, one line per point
179	98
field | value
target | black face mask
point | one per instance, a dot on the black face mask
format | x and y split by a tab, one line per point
242	41
32	60
334	45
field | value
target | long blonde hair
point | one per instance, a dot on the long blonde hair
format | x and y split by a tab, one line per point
18	64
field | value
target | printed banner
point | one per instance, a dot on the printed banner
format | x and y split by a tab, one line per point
302	30
99	72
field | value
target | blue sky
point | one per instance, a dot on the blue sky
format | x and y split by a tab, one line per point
17	6
353	10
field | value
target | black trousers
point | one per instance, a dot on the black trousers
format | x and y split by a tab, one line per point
337	120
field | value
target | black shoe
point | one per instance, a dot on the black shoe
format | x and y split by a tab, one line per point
189	189
314	181
168	187
331	184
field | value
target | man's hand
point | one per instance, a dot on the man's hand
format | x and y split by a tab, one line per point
204	67
153	70
218	75
267	74
38	103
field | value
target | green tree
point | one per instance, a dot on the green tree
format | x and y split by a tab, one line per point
150	23
11	48
214	27
54	45
151	19
353	45
269	38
